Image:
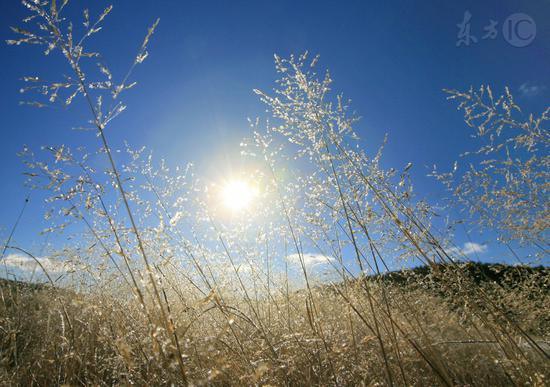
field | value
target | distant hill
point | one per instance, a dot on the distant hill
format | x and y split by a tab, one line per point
507	276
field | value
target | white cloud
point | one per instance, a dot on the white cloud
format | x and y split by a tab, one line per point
26	263
527	90
310	260
469	248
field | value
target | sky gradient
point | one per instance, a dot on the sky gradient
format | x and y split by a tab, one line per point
194	92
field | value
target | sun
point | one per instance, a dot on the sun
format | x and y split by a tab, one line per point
238	195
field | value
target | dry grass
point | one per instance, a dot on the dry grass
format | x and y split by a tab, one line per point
164	288
99	341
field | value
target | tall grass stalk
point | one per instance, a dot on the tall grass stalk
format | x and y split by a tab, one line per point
159	285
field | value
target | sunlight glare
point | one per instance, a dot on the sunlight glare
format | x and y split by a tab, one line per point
237	195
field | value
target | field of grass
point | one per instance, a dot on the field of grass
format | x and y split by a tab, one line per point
285	274
53	336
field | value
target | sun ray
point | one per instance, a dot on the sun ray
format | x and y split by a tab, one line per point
237	195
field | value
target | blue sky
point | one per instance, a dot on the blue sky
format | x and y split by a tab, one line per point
194	92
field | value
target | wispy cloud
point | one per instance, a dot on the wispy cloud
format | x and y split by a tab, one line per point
310	260
468	248
527	90
25	263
